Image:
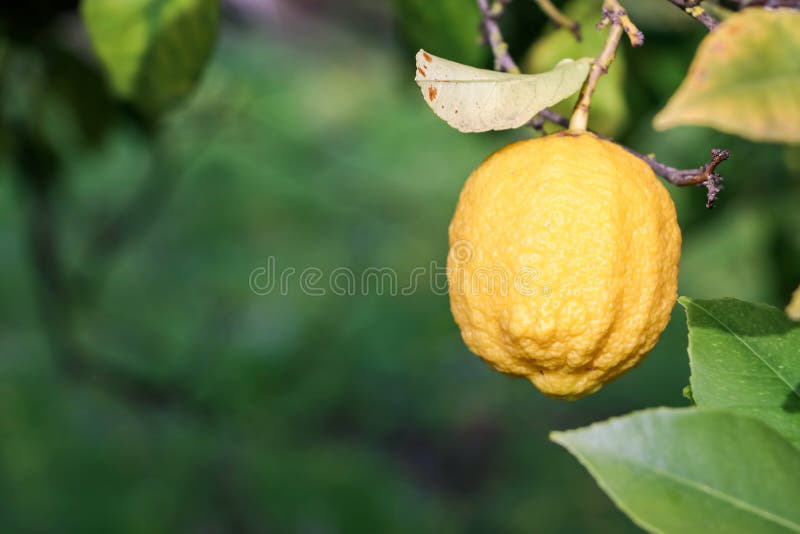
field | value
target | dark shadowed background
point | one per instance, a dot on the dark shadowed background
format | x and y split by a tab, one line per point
146	387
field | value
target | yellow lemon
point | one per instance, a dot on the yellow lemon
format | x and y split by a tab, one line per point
793	308
563	262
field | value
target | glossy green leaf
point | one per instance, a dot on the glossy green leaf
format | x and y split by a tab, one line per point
744	79
746	358
609	112
693	470
154	51
478	100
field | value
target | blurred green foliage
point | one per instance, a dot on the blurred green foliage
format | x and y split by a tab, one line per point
294	413
446	28
153	51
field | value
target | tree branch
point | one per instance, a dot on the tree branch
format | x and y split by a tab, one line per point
559	19
705	175
491	32
614	13
697	12
738	5
112	235
580	115
615	16
37	179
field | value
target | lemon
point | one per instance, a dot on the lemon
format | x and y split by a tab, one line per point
793	308
563	262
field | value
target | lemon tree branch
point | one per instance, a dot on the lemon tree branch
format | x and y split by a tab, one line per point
490	12
702	176
705	176
614	12
617	19
737	5
696	11
559	18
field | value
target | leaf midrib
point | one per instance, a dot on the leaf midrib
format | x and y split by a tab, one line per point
793	77
745	86
712	492
525	79
751	349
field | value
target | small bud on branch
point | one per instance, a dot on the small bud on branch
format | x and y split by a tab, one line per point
696	11
704	175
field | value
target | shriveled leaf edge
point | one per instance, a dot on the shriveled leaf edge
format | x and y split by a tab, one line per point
505	77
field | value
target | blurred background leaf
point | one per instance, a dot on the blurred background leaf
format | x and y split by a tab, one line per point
446	28
745	79
153	50
731	250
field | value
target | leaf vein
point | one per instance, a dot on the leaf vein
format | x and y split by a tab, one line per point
751	349
713	492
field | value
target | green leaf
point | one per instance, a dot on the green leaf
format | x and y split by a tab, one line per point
746	358
693	470
744	79
609	112
154	51
478	100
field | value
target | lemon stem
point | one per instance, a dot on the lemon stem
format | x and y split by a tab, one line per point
559	18
614	16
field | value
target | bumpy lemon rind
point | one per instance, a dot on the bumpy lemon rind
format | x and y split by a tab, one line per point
599	235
